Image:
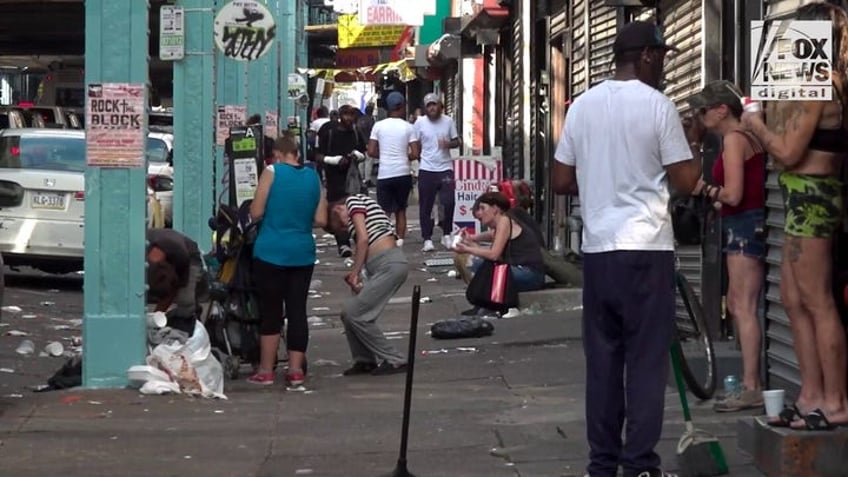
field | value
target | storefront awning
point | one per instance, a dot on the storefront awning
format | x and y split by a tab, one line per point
366	73
490	15
441	51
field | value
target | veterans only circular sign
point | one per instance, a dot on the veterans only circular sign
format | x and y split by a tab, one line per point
244	30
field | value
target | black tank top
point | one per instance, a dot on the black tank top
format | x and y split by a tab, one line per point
524	250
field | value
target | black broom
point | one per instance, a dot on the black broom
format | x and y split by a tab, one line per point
699	453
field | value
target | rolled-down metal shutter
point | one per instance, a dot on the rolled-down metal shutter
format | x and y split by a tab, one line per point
450	96
781	361
514	160
602	29
578	64
578	67
681	20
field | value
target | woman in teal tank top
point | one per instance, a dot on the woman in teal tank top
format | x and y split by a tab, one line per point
289	202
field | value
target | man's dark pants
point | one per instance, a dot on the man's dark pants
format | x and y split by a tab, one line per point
628	320
429	185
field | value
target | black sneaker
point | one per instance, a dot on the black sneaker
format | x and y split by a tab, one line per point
471	312
345	251
385	368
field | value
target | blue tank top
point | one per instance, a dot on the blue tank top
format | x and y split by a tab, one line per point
285	234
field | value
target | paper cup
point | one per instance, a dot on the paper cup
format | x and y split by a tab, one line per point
157	319
26	347
54	348
774	401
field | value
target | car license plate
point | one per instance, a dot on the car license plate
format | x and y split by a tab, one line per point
48	200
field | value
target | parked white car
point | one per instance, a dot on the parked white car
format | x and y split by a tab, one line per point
160	162
42	198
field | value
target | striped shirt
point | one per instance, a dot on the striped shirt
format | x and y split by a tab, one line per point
377	223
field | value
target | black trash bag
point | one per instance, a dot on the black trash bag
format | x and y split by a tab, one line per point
68	376
472	327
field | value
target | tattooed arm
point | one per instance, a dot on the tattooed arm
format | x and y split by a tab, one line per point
789	131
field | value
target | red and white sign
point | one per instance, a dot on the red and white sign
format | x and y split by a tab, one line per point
473	176
272	124
228	116
391	12
114	114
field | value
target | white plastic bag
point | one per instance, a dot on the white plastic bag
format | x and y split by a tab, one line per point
191	365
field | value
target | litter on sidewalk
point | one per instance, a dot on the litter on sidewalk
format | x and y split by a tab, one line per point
188	367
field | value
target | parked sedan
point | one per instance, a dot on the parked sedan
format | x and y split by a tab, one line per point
160	171
42	198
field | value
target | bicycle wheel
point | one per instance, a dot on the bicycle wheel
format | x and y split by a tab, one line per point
694	338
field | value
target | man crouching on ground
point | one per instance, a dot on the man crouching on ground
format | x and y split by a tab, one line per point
387	267
175	277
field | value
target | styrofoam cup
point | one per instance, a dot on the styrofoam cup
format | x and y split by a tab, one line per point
54	348
774	401
157	319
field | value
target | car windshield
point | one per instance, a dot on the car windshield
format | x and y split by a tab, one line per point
157	150
43	152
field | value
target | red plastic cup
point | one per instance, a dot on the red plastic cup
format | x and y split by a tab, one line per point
751	106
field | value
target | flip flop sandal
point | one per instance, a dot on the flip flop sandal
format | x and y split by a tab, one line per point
787	416
817	421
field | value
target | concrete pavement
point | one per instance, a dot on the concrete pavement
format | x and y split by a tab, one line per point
512	406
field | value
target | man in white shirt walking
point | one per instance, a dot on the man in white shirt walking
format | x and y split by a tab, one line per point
438	136
395	143
622	145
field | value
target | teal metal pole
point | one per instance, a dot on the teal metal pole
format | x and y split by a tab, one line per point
230	90
194	127
303	55
259	85
114	328
288	41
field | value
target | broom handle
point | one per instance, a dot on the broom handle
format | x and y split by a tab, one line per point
676	356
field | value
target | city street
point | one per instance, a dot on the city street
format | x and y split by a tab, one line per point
507	405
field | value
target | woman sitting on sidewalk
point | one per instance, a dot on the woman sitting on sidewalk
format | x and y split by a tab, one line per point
740	175
513	242
376	251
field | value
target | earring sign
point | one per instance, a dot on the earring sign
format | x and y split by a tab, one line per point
791	60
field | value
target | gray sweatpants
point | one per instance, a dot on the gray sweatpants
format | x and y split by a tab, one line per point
387	271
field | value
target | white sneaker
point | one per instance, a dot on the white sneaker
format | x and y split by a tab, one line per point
428	246
447	242
399	242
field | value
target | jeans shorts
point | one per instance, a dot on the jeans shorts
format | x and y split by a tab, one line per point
743	233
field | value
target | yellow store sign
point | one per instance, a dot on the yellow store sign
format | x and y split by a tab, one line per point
354	35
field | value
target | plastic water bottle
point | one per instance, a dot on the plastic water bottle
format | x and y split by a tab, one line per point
731	384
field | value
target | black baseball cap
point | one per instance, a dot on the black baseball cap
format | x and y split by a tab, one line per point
638	36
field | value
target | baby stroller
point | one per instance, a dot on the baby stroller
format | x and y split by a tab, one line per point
232	321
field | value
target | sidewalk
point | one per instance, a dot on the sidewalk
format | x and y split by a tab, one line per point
513	407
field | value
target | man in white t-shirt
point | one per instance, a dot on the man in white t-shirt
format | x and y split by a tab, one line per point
395	143
623	143
321	118
438	136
